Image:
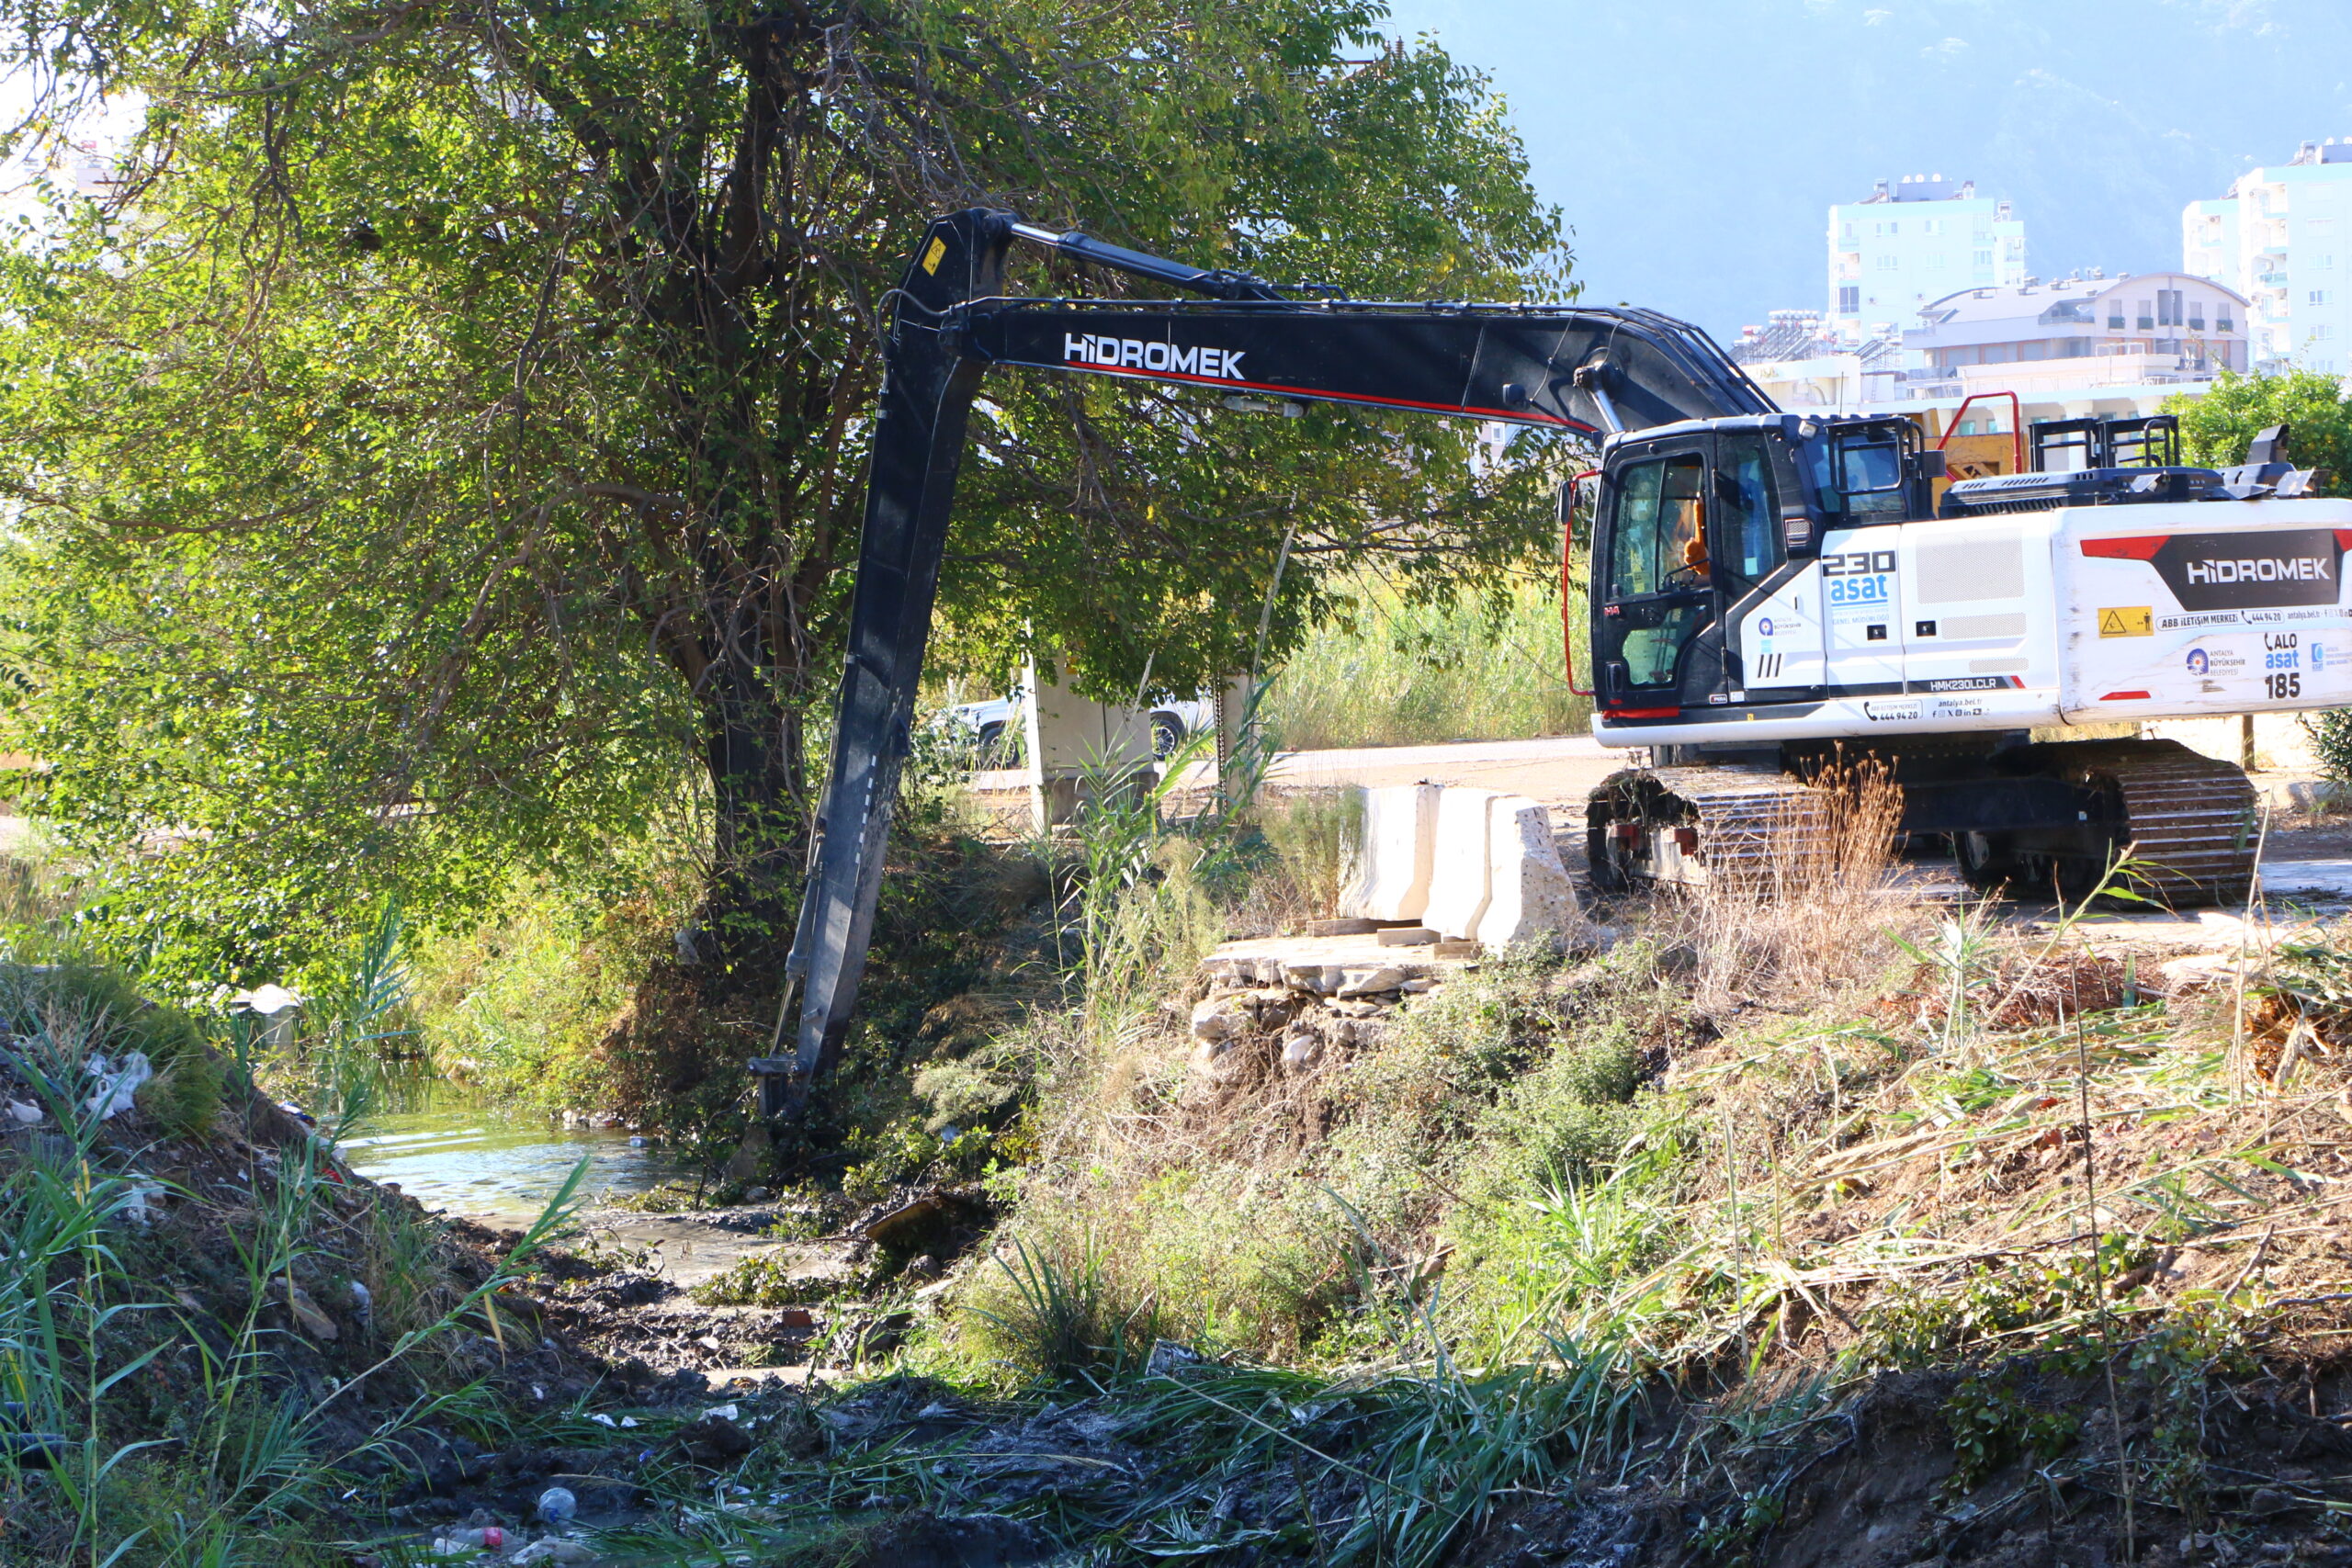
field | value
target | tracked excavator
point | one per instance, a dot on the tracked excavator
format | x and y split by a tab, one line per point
1766	586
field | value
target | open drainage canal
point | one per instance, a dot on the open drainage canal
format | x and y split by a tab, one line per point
449	1150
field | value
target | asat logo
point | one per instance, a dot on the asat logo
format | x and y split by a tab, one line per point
1218	364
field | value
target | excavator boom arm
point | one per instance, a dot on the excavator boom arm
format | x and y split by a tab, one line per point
1587	371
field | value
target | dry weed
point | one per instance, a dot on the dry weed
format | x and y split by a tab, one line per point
1815	917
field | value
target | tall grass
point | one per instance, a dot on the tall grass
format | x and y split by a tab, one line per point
1400	674
176	1440
1814	912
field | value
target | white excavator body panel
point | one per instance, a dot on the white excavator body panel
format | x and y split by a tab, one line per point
2197	609
2008	621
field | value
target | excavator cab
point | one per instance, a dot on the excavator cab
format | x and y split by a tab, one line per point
1701	523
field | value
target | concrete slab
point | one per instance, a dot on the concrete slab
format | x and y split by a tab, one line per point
1530	897
1263	960
1395	854
2329	879
1462	872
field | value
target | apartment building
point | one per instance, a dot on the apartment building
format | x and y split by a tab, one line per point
1911	241
2282	237
2157	329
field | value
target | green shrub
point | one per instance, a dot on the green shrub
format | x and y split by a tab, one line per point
1316	833
98	1007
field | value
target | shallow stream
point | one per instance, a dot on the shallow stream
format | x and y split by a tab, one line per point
449	1150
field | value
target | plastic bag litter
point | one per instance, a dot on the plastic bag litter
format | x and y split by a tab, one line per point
139	1210
117	1086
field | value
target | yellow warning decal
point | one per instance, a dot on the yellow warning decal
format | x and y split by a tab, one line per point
933	256
2131	620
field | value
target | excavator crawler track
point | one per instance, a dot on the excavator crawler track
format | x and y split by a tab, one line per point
1696	825
2190	820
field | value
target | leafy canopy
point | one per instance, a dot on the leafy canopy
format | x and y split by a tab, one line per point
446	445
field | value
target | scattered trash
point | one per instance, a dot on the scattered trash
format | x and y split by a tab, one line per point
725	1412
278	1009
363	1300
28	1114
489	1537
553	1549
117	1086
313	1317
603	1420
140	1208
32	1450
1167	1355
557	1505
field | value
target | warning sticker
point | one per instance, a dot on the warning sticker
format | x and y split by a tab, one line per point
933	256
2131	620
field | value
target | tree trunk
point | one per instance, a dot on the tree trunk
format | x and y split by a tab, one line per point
754	748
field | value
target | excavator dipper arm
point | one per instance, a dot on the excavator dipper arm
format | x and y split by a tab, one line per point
1591	372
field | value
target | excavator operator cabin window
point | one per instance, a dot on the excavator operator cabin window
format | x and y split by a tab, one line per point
1861	476
1747	523
1657	566
1659	545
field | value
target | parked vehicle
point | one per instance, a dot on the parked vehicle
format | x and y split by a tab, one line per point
993	726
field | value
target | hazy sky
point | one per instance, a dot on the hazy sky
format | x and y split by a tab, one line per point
1695	145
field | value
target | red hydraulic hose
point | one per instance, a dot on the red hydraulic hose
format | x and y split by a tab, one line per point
1567	568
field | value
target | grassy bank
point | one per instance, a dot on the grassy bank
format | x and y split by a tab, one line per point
1785	1224
1396	673
217	1348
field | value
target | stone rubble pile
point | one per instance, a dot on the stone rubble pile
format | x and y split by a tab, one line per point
1438	876
1299	1013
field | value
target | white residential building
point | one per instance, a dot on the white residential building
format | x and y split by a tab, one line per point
2282	237
2160	329
1919	239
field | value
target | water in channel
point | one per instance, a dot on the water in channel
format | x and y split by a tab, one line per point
449	1150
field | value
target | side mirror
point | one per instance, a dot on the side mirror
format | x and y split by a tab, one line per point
1935	464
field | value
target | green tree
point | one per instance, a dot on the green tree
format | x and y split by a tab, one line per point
449	440
2216	427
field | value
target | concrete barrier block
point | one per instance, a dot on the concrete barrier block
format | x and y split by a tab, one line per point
1529	897
1389	876
1460	871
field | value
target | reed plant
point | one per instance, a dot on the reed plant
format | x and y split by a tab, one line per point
1398	671
178	1432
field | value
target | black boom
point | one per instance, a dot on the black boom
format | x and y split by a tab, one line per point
1588	371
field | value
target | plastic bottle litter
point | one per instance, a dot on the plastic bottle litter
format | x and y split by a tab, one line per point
489	1537
557	1505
